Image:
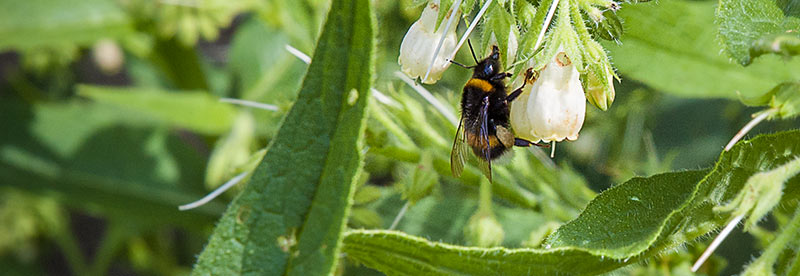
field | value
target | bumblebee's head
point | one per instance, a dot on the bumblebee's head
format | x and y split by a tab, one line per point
489	66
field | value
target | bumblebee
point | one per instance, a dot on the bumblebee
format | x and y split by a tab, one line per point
484	124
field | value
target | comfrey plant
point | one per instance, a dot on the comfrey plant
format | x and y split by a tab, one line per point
551	38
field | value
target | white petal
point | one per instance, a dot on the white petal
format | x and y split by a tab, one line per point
553	109
420	43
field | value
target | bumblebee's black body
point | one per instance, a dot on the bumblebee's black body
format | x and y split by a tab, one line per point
476	92
484	125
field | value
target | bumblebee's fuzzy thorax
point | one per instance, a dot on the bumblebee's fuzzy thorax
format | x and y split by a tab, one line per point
484	125
487	86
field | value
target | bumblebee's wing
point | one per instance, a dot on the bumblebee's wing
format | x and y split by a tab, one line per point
483	120
460	149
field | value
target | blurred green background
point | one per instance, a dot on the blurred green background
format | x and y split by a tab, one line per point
110	118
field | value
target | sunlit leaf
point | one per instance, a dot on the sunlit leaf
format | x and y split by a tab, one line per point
625	224
197	111
79	153
288	220
750	28
684	58
36	23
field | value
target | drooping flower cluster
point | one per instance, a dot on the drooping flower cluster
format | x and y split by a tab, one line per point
572	66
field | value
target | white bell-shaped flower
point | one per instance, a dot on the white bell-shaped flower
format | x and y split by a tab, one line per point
420	43
553	108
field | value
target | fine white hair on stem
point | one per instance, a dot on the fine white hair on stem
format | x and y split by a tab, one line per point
214	194
750	125
400	215
453	15
249	103
546	24
470	28
428	97
302	56
553	149
717	241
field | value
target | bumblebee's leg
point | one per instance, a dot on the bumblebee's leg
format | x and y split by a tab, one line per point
515	94
519	142
501	76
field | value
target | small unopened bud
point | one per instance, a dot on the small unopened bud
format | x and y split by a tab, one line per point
108	56
420	42
595	14
483	230
419	180
598	93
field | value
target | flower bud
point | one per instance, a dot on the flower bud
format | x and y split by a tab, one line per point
553	108
483	230
420	43
598	93
108	56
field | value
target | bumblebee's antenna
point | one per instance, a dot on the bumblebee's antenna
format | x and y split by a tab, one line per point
472	51
459	64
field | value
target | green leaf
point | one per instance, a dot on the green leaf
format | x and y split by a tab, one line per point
197	111
787	44
75	150
747	28
761	193
623	225
784	99
36	23
529	37
180	64
231	152
684	58
289	218
497	24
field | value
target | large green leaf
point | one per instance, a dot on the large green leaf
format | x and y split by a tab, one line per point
26	24
289	218
684	57
78	152
197	111
625	224
749	28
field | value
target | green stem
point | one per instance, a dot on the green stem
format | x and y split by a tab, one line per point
69	246
580	26
775	248
115	235
378	113
180	64
526	47
410	155
795	268
503	187
485	197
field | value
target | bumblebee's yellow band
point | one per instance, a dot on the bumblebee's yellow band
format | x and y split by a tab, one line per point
483	85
